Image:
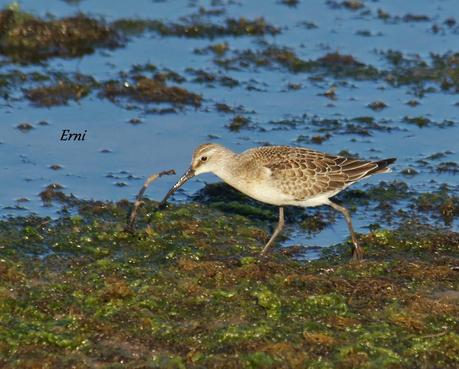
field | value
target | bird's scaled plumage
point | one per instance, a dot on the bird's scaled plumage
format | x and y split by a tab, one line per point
283	175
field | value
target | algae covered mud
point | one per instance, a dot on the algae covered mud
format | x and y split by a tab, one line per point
150	80
192	292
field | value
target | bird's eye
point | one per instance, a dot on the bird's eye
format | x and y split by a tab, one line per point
203	158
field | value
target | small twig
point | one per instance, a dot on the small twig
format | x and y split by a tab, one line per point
138	200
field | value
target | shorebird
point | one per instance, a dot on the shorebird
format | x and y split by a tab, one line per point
284	176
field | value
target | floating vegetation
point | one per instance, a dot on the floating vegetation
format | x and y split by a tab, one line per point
348	4
202	76
333	63
421	122
448	167
318	139
217	49
412	103
415	18
24	127
238	122
224	108
149	90
53	192
377	105
55	167
197	27
326	127
443	70
61	91
418	121
47	88
441	203
291	3
26	38
57	88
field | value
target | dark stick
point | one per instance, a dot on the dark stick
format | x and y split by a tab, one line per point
138	200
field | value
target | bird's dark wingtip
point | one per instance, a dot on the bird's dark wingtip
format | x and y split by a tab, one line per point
385	162
382	166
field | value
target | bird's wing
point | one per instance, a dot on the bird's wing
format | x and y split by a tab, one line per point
304	173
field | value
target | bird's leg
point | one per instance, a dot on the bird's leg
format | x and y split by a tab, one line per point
279	227
357	253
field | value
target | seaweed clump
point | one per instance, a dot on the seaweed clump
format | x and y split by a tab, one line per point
340	65
238	122
26	38
441	203
146	90
60	91
443	70
195	27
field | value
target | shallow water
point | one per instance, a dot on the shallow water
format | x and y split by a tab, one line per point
166	141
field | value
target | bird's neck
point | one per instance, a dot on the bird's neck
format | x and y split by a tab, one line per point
229	169
227	165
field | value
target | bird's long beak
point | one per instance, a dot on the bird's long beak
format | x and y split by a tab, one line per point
188	175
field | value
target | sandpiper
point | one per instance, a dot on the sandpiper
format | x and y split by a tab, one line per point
282	176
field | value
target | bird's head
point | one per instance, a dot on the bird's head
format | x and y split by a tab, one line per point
206	158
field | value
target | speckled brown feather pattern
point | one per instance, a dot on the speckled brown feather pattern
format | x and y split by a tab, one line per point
304	173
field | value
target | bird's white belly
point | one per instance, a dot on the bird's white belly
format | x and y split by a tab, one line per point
264	192
259	189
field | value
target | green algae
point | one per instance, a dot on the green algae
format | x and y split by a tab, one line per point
270	302
190	291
